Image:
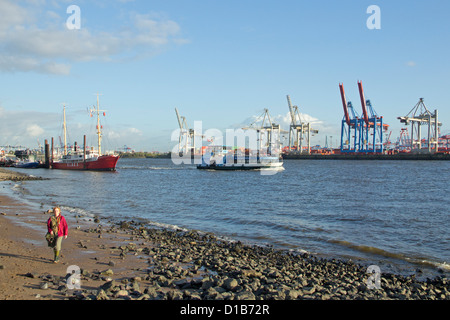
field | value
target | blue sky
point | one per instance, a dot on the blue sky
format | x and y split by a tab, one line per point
220	62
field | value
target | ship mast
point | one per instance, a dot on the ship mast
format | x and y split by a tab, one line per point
99	127
99	130
65	131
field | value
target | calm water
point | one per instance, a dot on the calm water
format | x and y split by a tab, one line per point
391	213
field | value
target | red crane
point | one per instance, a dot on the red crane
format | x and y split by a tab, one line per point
344	103
363	103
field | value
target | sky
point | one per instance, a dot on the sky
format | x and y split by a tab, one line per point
219	62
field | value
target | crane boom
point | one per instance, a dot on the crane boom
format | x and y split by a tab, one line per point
363	102
291	110
344	103
179	120
266	115
185	126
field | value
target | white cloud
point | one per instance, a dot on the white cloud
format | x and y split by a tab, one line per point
12	15
153	32
411	64
135	131
49	47
26	127
123	134
284	120
27	63
35	130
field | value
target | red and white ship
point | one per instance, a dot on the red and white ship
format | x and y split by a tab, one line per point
77	161
86	159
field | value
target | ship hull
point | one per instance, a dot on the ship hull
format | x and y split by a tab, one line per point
258	164
241	167
28	165
103	163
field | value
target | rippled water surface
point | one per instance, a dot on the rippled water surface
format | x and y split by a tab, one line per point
391	213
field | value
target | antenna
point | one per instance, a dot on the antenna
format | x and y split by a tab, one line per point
65	128
99	128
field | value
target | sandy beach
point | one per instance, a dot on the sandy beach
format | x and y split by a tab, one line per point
130	261
26	260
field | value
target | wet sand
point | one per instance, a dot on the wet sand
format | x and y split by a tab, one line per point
26	260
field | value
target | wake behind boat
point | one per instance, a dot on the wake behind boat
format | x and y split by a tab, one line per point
85	159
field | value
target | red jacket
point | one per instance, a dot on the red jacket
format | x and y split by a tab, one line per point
62	228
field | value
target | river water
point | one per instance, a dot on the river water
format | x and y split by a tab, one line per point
394	214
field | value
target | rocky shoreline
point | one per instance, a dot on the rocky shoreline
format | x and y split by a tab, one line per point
189	265
144	263
10	175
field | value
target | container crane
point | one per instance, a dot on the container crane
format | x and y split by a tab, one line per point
266	126
356	130
372	127
298	128
388	143
418	116
186	135
295	129
351	126
404	142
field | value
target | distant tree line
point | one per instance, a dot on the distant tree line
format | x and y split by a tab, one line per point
144	155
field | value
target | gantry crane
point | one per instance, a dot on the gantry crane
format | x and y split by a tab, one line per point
184	133
295	129
187	136
298	128
267	131
351	126
418	116
373	126
356	130
404	142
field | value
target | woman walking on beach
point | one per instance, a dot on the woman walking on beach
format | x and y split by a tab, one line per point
57	227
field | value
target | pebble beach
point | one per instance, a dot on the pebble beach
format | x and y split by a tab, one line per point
128	260
192	265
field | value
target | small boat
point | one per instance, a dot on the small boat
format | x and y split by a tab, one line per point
25	160
27	164
219	158
86	159
265	155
